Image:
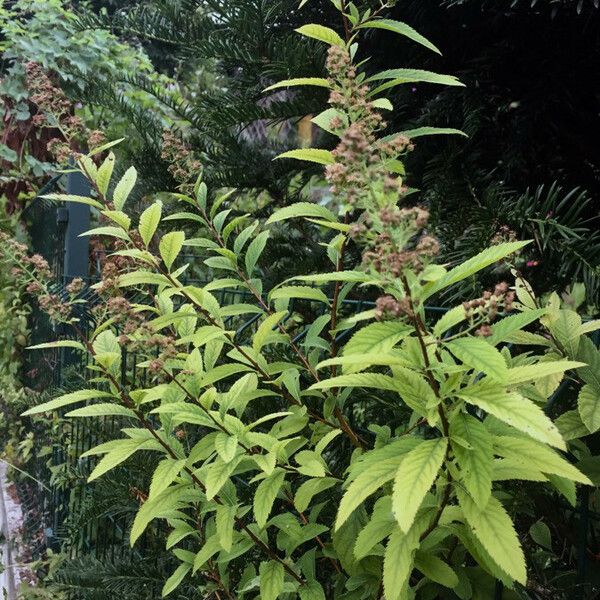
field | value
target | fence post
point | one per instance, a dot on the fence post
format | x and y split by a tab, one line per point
76	259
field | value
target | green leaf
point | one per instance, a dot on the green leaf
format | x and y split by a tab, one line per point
366	484
66	400
492	526
415	76
481	356
254	251
380	526
118	217
313	81
142	278
425	131
566	328
400	28
514	409
176	579
265	330
210	548
225	523
540	534
321	33
588	404
590	326
299	291
324	119
311	590
271	580
265	495
105	173
218	474
170	247
108	231
102	410
347	276
503	329
477	461
59	344
571	426
435	569
76	199
415	476
484	259
301	209
536	455
309	489
120	453
398	562
164	475
366	380
540	370
375	338
124	187
314	155
149	221
226	446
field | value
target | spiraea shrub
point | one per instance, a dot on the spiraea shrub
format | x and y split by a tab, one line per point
268	481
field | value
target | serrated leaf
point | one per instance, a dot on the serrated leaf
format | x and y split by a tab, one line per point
536	455
494	529
119	454
415	476
105	173
59	344
375	338
301	292
398	562
254	251
435	569
108	231
380	526
74	198
298	81
400	28
301	209
366	484
170	246
514	409
477	462
309	489
210	548
503	329
149	221
321	33
66	400
588	404
226	446
473	265
176	579
225	522
271	580
265	495
164	475
540	370
415	76
101	410
124	187
571	426
265	330
324	119
425	131
314	155
481	356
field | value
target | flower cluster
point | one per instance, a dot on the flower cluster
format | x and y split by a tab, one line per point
484	310
359	157
183	165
